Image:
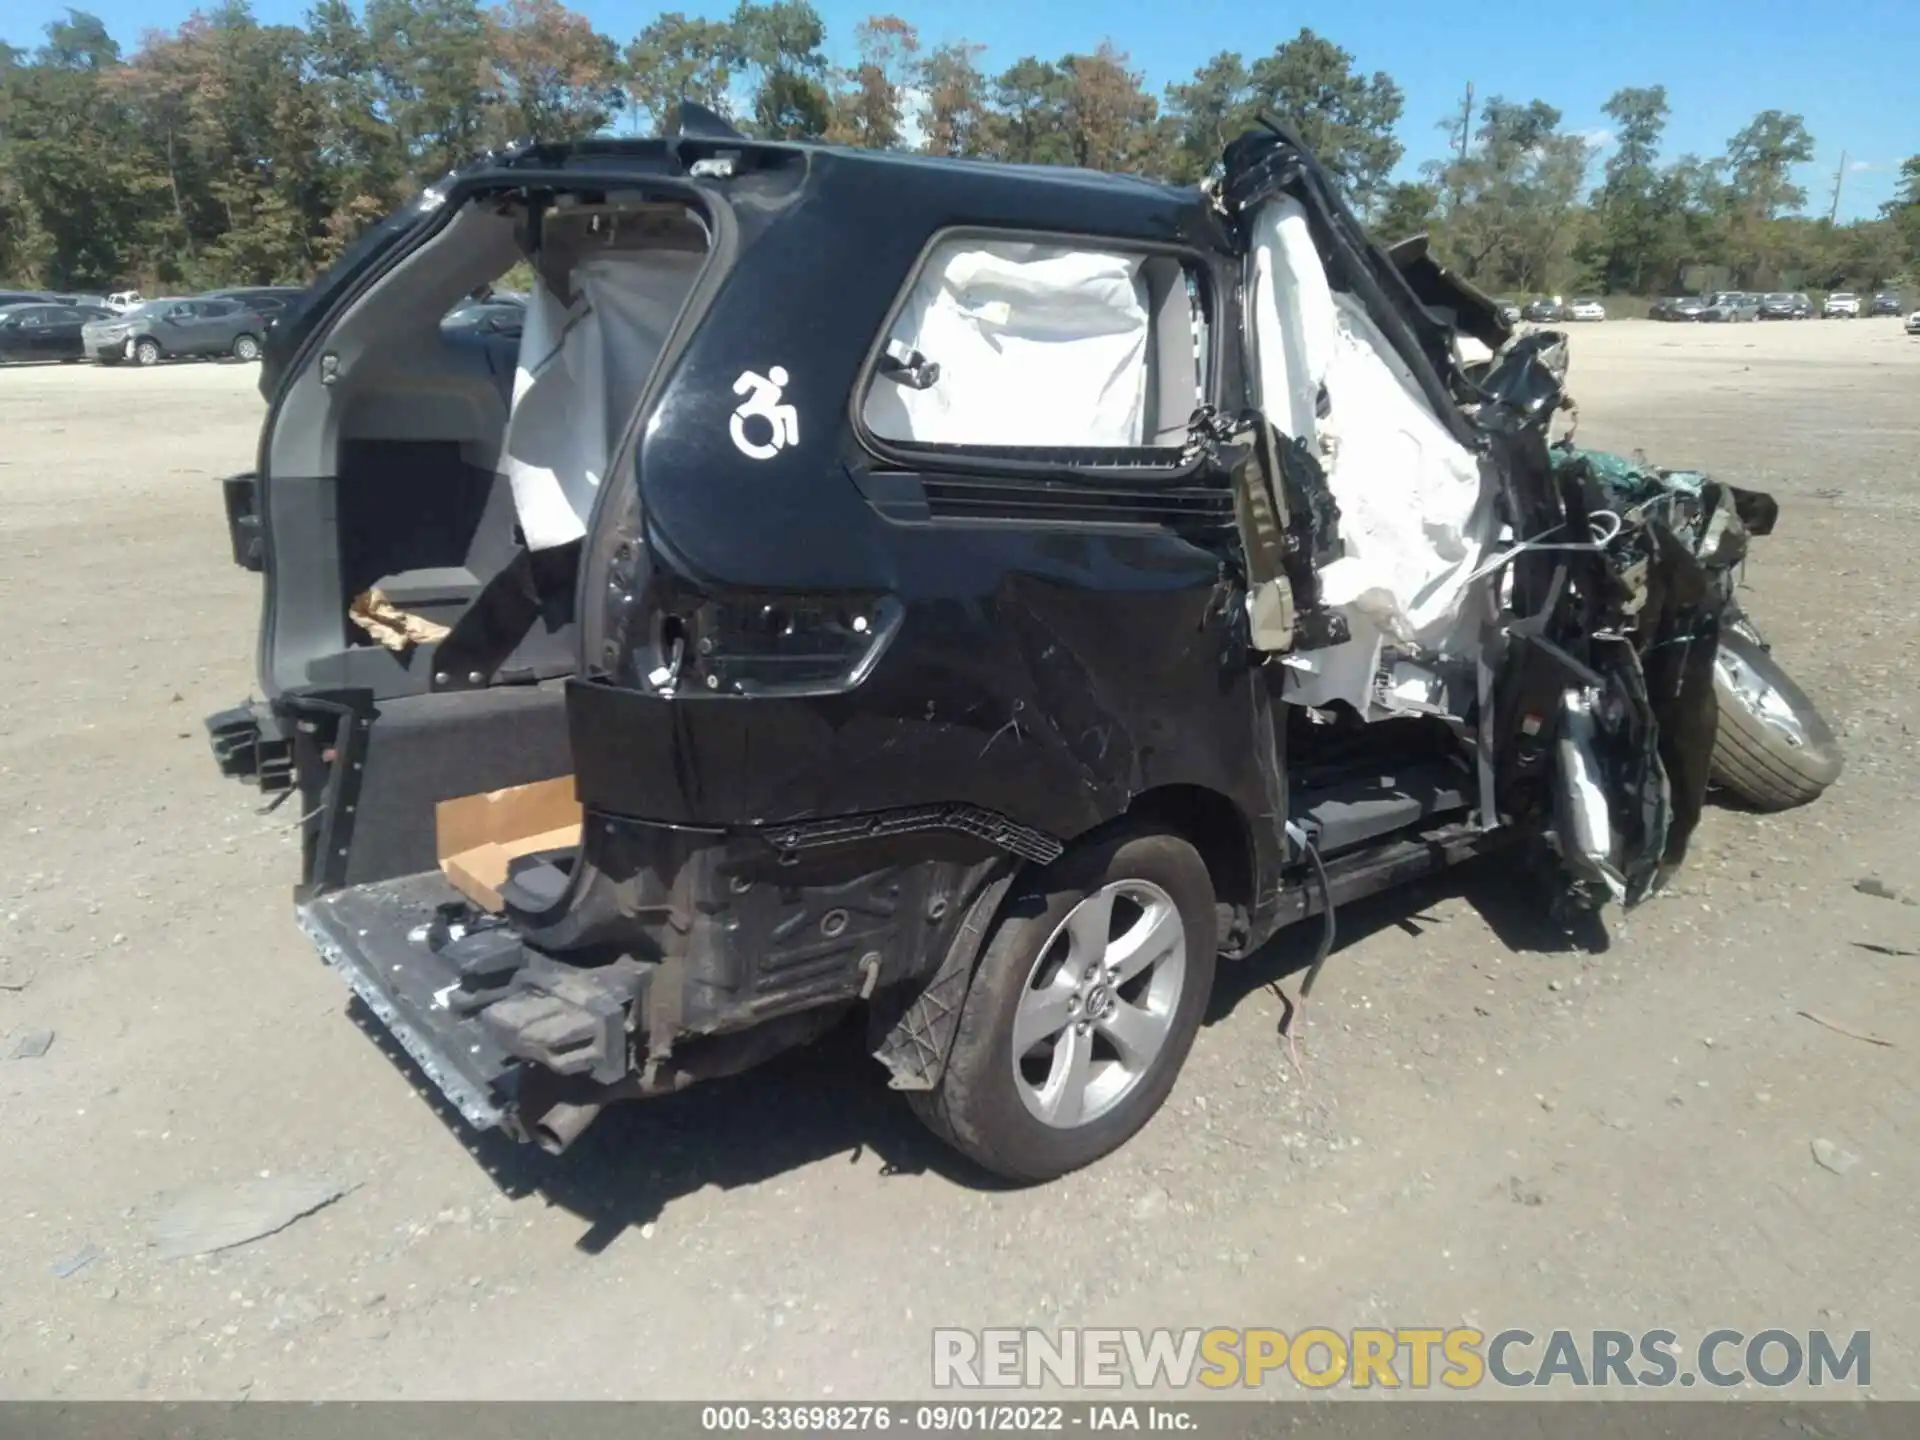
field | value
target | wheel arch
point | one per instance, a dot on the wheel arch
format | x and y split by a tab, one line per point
1215	826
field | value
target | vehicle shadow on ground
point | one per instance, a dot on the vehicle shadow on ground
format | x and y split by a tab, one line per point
829	1100
824	1101
1510	901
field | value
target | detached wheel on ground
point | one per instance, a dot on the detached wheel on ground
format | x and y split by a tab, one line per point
1773	747
147	352
246	348
1089	992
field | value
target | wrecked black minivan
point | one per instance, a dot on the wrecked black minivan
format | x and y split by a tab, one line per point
975	594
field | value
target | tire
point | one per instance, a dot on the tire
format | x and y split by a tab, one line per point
1771	764
246	348
147	352
989	1106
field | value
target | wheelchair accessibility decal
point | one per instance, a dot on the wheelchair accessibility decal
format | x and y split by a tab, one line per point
763	403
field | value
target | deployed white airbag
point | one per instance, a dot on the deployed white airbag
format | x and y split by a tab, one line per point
583	362
1036	344
1415	513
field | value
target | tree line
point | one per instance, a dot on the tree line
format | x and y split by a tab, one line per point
231	151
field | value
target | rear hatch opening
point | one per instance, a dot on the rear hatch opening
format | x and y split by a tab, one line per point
424	491
423	461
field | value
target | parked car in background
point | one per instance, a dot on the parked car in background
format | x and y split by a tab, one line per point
45	331
1913	323
1542	311
1509	310
176	328
1841	305
1781	305
495	316
267	301
1731	305
24	297
1586	308
1677	307
1887	302
121	301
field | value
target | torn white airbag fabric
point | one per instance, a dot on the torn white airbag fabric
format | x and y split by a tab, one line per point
583	362
1415	515
1036	344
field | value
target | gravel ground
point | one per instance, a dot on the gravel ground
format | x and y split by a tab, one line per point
1490	1129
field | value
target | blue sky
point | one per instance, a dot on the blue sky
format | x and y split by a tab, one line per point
1849	72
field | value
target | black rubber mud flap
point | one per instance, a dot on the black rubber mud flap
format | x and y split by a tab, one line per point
916	1046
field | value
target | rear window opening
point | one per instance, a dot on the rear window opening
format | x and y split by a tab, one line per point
418	455
1006	347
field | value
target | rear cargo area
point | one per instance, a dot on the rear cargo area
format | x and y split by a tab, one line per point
423	494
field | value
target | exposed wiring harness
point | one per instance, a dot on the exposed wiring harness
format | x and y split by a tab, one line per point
1602	538
1297	833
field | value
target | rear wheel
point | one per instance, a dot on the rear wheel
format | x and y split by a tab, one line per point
1085	1004
147	352
1773	748
246	348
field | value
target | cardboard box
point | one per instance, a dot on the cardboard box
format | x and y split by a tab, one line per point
477	836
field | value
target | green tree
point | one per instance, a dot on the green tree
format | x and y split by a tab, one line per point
362	163
1759	165
553	76
870	111
225	104
1636	226
1406	209
431	61
778	45
77	193
676	59
1903	213
1085	110
1028	120
1208	111
1512	217
1308	84
954	118
1112	121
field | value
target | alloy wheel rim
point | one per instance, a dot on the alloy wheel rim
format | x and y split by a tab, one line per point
1098	1005
1765	703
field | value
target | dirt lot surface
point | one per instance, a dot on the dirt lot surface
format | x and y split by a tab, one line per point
1492	1129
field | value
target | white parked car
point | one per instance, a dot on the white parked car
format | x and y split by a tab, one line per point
1586	310
1913	323
121	301
1841	306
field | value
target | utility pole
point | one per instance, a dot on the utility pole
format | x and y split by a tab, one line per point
1833	214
